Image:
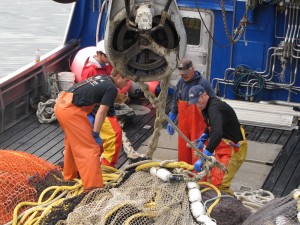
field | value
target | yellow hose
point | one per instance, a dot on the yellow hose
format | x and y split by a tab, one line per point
170	165
34	211
47	209
115	209
33	221
137	215
58	189
108	169
218	194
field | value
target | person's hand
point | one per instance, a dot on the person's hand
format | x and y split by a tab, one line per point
172	117
91	118
200	141
98	138
198	164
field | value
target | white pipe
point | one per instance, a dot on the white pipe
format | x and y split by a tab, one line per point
99	20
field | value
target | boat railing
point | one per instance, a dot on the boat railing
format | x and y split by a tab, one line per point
19	89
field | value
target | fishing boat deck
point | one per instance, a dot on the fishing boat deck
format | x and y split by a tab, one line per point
46	141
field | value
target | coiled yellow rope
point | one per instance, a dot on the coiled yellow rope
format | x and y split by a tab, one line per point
40	209
170	165
39	204
216	190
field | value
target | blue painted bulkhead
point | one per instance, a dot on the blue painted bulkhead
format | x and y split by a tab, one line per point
84	21
250	52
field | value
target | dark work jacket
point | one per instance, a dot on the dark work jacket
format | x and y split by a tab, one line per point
222	122
182	89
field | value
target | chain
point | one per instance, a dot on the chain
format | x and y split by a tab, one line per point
240	30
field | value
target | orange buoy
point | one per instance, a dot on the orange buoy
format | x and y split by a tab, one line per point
152	86
80	60
125	89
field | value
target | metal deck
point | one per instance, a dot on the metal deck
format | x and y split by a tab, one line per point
46	141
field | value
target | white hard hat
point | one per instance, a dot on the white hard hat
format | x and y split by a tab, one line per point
100	47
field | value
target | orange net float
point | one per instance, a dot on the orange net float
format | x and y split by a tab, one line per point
80	61
152	86
125	89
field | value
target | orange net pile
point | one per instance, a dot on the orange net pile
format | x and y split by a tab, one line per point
18	171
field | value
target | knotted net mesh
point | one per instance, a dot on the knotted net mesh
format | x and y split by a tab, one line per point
19	171
145	199
142	199
280	211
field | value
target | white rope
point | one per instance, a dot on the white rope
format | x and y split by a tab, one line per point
128	149
254	199
53	85
45	111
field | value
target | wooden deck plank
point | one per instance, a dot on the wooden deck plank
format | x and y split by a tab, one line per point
17	128
274	136
249	132
123	157
47	150
29	136
249	128
257	132
43	141
31	142
294	181
288	171
264	136
139	122
19	135
271	181
58	156
284	138
55	148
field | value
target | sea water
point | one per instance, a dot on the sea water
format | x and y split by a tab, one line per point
29	25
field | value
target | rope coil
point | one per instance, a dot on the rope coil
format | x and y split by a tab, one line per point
254	199
45	111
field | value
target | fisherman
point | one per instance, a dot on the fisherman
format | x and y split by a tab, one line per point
224	136
111	131
82	141
190	120
97	64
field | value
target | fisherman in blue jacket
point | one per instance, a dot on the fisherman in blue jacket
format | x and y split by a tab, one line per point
190	120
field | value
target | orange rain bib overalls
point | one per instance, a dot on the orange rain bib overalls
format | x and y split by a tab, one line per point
82	153
192	125
232	156
111	135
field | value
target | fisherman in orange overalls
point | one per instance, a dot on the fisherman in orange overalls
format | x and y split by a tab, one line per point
82	141
190	120
225	137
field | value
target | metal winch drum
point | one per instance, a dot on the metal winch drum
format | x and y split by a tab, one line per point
144	39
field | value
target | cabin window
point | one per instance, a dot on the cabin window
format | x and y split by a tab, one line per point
192	29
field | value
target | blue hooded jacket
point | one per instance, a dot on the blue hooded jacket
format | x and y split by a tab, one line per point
182	90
